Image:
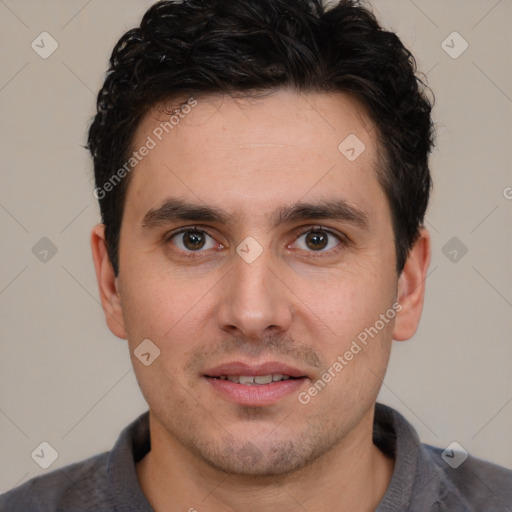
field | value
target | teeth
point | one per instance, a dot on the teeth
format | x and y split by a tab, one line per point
263	379
251	380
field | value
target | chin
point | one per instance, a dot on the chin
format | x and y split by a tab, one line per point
260	460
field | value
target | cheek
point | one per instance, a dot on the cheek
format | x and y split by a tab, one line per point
345	302
176	314
153	305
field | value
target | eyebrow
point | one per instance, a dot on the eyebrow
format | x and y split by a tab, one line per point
174	209
335	209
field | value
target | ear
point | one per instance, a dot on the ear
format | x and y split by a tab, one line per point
411	288
107	283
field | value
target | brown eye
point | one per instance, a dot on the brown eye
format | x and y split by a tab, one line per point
192	240
318	240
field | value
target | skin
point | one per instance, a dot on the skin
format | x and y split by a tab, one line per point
294	304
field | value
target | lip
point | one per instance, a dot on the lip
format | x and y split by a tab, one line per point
254	370
255	395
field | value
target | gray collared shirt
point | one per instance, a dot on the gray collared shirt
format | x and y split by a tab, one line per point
422	480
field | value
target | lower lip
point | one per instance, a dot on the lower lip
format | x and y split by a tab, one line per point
255	394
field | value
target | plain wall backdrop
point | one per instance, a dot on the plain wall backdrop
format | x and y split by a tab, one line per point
65	379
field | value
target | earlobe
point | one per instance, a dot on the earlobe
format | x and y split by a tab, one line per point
107	283
411	288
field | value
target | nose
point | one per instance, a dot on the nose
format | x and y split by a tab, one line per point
254	301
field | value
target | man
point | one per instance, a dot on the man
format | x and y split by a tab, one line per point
262	173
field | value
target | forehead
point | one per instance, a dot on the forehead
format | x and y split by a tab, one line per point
242	152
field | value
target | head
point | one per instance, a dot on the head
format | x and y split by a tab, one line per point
287	131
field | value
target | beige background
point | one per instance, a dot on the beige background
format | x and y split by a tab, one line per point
66	380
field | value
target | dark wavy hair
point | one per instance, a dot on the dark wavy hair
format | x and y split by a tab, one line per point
242	47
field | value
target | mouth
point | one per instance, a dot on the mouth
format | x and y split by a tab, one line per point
255	385
258	380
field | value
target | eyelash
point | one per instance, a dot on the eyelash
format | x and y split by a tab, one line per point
342	239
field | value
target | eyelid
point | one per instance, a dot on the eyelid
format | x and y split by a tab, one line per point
190	229
317	227
171	234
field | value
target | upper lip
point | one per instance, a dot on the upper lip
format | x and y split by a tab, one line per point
254	370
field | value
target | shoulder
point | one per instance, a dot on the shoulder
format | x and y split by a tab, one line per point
430	478
106	482
479	484
78	487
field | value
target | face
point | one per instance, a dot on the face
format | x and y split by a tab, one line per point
253	254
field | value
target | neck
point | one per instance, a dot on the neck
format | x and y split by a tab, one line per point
352	476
